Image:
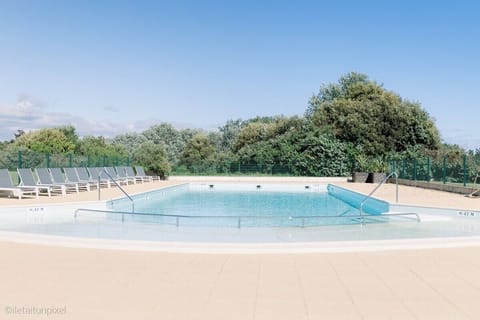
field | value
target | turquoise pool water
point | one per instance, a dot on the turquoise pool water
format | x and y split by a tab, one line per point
225	205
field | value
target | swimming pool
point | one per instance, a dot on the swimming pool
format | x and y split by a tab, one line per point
165	223
250	205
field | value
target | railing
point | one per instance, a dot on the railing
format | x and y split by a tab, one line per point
378	186
239	219
117	184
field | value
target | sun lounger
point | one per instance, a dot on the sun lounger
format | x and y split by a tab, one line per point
85	175
72	176
95	173
113	174
6	184
131	174
122	174
28	180
44	178
141	173
58	177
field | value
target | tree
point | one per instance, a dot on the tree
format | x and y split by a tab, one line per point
264	129
46	141
130	141
18	134
173	139
70	133
93	146
321	155
198	152
100	153
363	113
153	158
229	133
334	91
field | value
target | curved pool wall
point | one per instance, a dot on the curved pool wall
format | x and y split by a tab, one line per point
437	227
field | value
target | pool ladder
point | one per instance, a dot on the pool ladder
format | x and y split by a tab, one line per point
376	188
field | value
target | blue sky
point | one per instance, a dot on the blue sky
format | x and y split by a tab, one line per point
114	66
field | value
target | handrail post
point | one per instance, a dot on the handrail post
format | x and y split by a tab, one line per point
98	187
376	188
118	185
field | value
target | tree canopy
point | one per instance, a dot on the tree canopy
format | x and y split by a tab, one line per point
361	112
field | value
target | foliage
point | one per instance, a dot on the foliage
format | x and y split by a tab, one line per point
361	163
173	139
229	133
361	112
97	146
46	141
130	141
9	157
153	158
321	155
199	151
378	164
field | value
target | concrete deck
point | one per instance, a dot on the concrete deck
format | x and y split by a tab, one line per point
123	284
103	284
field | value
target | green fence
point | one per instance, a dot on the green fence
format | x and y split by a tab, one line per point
229	168
30	159
462	171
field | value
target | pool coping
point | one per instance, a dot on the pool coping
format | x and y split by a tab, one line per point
239	248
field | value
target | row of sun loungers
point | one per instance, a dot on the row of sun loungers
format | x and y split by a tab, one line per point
51	181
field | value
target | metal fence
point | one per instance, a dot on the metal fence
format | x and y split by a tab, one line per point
235	169
30	159
462	170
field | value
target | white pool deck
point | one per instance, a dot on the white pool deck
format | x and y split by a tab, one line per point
100	283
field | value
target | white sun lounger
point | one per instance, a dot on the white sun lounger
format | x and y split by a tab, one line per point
6	184
59	178
95	173
113	174
71	175
141	173
131	174
28	180
45	179
122	174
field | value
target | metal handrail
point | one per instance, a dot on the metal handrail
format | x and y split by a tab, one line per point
378	186
239	218
117	184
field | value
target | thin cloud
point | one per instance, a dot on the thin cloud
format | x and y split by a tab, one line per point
27	115
111	109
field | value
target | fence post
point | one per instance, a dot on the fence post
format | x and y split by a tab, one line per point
444	170
403	168
414	169
428	169
89	162
105	161
47	159
70	164
464	170
19	159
